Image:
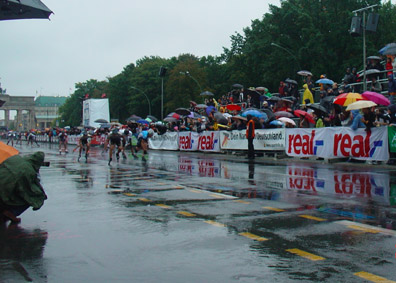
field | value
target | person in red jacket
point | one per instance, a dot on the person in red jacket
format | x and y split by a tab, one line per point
250	133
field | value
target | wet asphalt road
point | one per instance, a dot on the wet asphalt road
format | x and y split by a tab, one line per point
189	217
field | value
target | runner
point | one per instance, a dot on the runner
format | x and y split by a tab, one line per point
84	145
115	141
133	127
10	138
125	138
32	138
19	139
63	141
143	141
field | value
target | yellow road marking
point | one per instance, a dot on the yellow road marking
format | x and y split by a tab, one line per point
130	195
253	237
186	213
216	196
372	277
242	201
178	187
164	206
368	230
312	217
144	199
273	208
161	184
214	223
305	254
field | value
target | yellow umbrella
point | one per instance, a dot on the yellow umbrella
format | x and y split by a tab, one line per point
360	105
347	98
6	151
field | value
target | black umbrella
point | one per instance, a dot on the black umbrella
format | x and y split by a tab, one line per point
133	118
23	9
237	86
220	118
274	98
101	121
317	107
270	113
183	111
206	93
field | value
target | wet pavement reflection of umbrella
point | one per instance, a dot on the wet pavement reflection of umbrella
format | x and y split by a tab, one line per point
347	98
23	9
360	105
283	114
183	111
376	97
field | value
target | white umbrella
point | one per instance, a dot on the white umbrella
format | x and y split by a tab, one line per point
287	120
360	105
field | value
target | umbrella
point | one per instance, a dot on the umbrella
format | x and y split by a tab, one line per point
170	119
325	81
347	98
237	86
206	93
133	118
101	121
376	97
238	117
317	107
255	113
276	123
210	109
201	106
274	98
220	118
373	58
173	115
290	81
119	124
390	51
143	121
329	98
270	114
385	48
283	114
261	88
234	107
301	113
370	72
194	115
287	120
360	104
183	111
23	9
304	73
105	126
152	118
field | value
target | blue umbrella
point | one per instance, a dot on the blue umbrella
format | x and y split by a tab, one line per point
255	113
142	121
276	123
210	109
385	48
325	81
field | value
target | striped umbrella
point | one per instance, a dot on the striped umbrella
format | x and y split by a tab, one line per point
347	98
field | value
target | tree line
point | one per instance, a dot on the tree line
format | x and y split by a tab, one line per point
299	34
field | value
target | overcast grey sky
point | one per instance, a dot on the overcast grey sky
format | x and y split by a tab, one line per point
95	39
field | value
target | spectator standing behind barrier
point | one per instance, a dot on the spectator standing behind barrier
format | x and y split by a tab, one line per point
391	88
307	95
250	134
282	89
318	120
368	119
375	85
356	120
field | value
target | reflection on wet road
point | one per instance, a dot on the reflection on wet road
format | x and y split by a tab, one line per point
204	218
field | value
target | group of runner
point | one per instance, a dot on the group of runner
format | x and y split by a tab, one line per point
17	136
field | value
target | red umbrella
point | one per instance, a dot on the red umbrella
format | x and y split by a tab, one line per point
376	97
233	107
301	113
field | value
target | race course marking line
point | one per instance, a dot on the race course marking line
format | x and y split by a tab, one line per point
144	199
368	230
305	254
186	213
253	237
196	191
312	217
273	208
372	277
130	195
214	223
164	206
242	201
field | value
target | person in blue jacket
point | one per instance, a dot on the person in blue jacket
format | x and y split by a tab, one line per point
356	118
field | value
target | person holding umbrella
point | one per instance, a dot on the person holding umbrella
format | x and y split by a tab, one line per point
250	134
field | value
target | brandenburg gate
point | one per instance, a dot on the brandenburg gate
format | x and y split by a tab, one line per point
19	104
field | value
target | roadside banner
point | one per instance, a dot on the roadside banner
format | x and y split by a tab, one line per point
265	139
167	141
338	142
209	141
188	141
392	138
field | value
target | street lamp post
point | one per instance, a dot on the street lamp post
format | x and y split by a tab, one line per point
187	73
148	101
288	51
